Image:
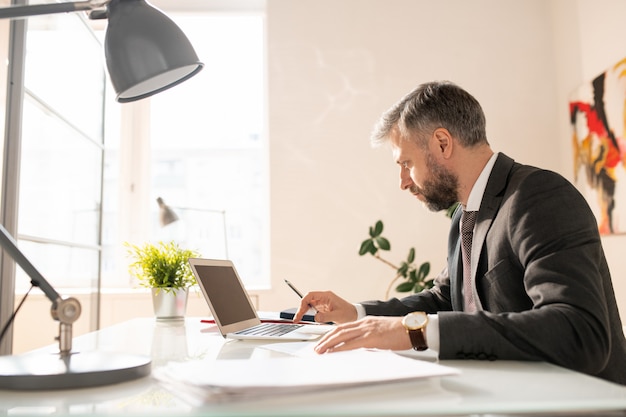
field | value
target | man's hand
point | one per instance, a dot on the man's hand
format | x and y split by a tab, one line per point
330	308
369	332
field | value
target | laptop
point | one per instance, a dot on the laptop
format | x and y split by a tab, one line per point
234	313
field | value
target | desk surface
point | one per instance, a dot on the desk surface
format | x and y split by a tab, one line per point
482	388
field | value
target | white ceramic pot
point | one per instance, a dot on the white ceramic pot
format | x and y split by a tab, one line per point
169	303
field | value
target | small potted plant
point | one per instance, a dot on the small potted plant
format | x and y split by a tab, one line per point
163	267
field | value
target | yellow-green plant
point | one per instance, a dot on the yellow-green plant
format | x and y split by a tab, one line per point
161	265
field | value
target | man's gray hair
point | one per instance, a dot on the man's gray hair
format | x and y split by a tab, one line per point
430	106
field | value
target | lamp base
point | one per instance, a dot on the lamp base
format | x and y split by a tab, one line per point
49	371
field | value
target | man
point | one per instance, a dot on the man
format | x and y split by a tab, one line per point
538	284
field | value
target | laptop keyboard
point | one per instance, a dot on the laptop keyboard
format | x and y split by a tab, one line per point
270	329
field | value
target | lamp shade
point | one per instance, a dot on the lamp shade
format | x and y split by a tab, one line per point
145	51
166	214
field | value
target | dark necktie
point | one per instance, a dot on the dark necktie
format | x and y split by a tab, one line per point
468	219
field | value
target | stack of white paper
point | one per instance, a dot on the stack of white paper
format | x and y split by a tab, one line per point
224	380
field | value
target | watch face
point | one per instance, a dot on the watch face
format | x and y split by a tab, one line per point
415	320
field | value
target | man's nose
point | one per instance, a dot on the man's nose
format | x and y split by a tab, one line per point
405	179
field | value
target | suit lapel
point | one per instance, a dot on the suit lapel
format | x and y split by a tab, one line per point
489	206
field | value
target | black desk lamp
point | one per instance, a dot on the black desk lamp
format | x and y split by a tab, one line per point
146	53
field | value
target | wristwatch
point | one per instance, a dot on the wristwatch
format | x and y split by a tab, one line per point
415	324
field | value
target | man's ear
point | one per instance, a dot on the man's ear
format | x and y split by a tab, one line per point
443	142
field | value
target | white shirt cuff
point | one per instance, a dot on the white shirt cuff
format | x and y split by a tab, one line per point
432	332
360	311
432	328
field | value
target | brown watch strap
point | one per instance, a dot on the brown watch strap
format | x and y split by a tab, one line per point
418	339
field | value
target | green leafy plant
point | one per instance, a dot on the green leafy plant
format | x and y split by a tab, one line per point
415	278
161	265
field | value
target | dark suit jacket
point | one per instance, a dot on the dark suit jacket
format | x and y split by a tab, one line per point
542	283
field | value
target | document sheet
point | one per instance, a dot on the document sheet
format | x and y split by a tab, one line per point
224	380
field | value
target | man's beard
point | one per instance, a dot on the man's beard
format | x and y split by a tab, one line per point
440	190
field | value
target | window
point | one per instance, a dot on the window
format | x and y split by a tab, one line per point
61	153
206	156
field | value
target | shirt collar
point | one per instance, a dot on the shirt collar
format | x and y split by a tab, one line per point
478	190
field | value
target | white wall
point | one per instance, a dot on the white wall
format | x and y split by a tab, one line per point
336	65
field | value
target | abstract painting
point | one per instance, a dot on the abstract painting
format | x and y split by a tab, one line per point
598	119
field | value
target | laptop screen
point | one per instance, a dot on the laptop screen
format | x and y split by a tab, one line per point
228	298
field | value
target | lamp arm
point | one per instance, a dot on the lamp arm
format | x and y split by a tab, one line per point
10	246
201	209
65	311
14	12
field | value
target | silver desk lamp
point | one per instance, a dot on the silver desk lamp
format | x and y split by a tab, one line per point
167	215
64	369
145	53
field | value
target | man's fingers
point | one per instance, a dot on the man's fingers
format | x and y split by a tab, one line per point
304	307
300	313
338	339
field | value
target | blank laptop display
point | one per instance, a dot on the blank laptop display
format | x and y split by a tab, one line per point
232	309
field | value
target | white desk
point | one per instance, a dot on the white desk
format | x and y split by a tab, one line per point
483	388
